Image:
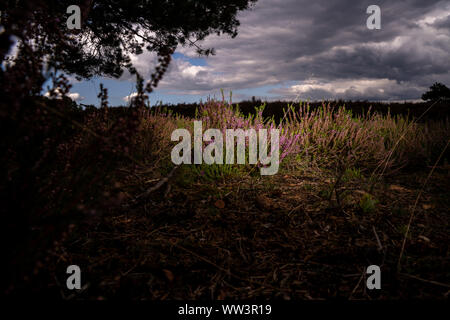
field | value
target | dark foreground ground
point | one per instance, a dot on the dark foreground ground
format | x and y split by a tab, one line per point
263	238
281	237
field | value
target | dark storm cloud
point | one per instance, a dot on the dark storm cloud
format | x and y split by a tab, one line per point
285	41
442	23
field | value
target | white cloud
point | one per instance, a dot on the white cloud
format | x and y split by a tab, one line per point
75	96
130	97
360	89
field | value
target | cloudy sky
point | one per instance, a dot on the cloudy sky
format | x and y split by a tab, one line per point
307	50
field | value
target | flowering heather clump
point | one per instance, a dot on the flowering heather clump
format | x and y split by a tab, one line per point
326	137
215	114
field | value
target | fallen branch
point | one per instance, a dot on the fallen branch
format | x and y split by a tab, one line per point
425	280
159	184
380	246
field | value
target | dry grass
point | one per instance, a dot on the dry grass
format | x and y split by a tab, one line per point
225	232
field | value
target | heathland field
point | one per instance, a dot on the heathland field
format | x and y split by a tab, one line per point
356	186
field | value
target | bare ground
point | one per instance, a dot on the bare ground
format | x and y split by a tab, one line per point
279	237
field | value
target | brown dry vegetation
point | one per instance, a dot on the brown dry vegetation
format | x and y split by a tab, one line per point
308	232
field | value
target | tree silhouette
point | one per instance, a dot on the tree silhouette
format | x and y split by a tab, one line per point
50	147
437	91
111	30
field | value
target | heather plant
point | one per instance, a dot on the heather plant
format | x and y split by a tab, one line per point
223	115
367	203
331	138
154	135
59	164
217	171
351	174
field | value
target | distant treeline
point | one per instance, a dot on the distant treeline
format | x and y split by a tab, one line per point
440	110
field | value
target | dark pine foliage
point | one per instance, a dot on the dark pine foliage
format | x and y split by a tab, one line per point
58	163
